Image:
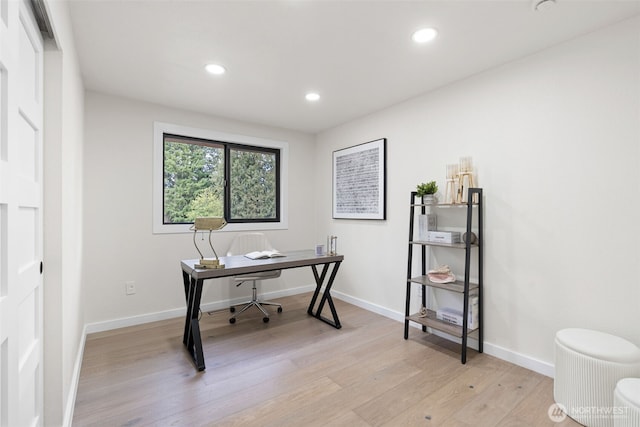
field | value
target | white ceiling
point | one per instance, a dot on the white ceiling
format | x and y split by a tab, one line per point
357	54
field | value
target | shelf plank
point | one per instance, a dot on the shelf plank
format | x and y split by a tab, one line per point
431	321
444	205
457	286
443	245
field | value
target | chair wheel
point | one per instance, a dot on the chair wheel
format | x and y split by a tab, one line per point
232	320
279	309
265	319
232	309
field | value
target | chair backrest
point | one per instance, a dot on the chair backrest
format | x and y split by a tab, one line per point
248	242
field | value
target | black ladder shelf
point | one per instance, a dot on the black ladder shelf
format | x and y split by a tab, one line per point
464	287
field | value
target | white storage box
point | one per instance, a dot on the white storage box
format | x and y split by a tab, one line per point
444	236
453	316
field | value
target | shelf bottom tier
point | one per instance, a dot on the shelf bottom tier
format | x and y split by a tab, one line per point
431	321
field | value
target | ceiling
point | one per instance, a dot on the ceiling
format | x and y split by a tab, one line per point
358	55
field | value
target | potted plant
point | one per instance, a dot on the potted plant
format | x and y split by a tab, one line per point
427	190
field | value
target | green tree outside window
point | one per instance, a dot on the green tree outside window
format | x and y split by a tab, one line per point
194	181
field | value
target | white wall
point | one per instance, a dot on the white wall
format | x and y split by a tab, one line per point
555	140
63	311
118	241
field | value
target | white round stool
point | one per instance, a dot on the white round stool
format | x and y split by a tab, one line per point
588	365
626	400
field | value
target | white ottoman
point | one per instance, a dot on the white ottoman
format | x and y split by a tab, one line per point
626	399
588	365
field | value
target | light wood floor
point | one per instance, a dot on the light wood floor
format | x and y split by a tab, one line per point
298	371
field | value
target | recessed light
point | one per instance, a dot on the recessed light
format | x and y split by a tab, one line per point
215	69
424	35
312	96
542	5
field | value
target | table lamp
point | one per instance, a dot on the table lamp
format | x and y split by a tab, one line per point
210	224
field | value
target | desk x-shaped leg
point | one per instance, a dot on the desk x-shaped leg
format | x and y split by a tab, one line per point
192	339
326	296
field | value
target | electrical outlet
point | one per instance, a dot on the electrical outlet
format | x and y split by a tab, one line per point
130	287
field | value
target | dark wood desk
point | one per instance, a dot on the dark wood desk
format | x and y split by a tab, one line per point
234	265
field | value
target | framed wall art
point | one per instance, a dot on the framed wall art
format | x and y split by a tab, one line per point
359	181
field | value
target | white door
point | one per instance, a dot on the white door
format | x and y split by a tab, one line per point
21	397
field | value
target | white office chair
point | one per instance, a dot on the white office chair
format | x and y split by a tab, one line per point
243	244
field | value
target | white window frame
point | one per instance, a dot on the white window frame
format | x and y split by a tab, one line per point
160	128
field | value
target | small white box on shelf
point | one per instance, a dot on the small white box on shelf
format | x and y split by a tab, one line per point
453	316
444	236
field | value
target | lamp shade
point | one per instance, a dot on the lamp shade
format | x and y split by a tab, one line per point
209	223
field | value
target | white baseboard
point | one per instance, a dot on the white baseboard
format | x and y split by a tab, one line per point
378	309
179	312
544	368
510	356
75	379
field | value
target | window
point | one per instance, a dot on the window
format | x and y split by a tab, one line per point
253	185
205	173
193	179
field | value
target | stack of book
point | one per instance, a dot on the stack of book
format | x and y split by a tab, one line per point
454	316
443	236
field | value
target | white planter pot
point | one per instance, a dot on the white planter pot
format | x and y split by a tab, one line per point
429	199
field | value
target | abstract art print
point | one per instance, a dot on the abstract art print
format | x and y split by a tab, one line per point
359	181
